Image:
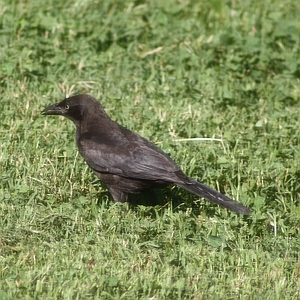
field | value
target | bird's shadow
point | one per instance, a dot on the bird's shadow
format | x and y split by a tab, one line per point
159	199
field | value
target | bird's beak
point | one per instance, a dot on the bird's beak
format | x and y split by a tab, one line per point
53	110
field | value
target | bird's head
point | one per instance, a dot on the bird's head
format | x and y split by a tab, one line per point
75	107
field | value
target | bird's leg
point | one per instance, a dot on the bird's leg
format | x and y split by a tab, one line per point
117	195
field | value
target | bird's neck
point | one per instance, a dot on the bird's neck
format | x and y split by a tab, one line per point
95	128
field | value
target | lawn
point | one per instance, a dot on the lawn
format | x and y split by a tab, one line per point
215	84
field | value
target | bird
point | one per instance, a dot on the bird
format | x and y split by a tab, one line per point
126	162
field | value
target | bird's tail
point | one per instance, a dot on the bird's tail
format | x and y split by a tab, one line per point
206	192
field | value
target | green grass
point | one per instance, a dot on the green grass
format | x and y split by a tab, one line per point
169	70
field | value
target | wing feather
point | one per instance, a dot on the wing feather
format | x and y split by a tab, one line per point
128	155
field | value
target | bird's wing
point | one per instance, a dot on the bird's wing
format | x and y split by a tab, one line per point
132	157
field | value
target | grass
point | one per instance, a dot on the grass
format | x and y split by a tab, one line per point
177	72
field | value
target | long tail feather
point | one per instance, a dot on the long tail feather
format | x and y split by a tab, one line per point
206	192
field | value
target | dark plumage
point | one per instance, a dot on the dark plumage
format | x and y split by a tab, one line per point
126	162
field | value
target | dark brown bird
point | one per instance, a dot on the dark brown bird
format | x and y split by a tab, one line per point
126	162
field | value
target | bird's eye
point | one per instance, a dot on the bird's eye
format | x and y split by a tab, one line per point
67	107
